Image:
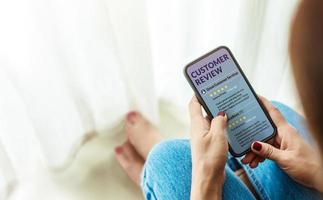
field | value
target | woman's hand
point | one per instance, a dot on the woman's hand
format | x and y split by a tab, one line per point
209	153
298	159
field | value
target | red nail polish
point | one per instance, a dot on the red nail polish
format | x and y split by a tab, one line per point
131	115
257	146
118	150
221	114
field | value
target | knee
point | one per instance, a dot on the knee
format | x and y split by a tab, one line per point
169	153
168	163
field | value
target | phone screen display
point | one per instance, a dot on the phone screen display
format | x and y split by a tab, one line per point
221	86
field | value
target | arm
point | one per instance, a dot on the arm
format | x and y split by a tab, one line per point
206	186
209	153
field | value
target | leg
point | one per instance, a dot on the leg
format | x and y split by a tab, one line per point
167	174
295	120
269	180
141	133
141	136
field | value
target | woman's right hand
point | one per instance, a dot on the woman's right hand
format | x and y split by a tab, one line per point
297	158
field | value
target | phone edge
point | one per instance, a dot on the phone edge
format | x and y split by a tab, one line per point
201	101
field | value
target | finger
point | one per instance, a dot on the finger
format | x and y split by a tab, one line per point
271	141
195	108
266	150
249	157
261	159
219	123
253	165
255	162
274	113
257	159
208	118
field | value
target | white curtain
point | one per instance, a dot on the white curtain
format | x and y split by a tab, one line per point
70	69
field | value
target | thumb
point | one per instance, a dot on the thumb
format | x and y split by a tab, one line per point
266	150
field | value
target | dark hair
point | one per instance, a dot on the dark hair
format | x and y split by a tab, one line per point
306	51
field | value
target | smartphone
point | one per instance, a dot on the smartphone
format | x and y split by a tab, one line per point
220	85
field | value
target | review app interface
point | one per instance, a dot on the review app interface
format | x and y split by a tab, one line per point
223	88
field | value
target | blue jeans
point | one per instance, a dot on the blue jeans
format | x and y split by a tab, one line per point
168	168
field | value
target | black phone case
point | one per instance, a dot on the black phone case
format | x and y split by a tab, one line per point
200	99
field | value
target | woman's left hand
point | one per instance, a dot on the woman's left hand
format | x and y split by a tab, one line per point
209	152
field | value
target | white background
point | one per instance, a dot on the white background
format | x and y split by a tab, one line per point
71	69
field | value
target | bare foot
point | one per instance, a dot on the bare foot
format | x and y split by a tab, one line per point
141	137
141	133
130	161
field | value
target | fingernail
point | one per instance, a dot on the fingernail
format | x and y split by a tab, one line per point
257	146
221	113
118	150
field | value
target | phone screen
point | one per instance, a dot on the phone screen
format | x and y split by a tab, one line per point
220	85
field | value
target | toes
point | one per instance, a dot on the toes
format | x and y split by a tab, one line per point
134	123
135	117
126	154
130	161
141	133
131	117
118	150
121	156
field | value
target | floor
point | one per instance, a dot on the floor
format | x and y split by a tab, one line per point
94	173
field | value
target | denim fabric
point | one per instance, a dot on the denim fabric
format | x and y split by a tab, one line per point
168	168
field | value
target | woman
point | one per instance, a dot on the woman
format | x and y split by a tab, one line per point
291	165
